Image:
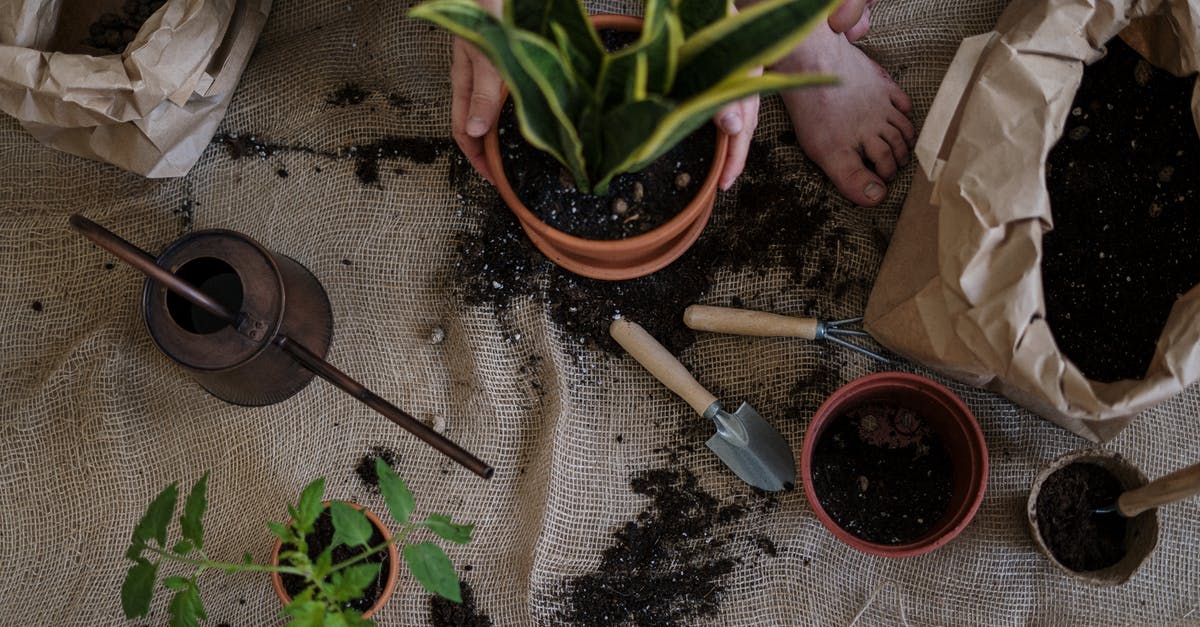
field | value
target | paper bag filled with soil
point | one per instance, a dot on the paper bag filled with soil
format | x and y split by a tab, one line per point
961	287
141	84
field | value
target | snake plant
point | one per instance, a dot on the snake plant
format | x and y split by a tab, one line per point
603	113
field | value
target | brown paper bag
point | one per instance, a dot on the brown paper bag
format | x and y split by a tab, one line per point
974	310
152	109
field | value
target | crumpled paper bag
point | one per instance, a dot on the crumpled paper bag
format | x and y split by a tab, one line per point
152	109
974	311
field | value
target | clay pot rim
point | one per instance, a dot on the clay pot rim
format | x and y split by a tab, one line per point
696	210
1115	574
393	563
958	521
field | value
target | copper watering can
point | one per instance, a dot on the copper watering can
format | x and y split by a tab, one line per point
251	326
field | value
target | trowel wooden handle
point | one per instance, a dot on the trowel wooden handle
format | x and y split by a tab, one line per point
747	322
661	363
1174	487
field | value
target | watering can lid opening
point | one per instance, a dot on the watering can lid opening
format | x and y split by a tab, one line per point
221	261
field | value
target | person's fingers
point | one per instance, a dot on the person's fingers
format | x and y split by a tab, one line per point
847	15
461	82
484	105
739	143
860	28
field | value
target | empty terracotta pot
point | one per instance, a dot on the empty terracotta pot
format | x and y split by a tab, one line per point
947	415
616	259
1141	532
393	565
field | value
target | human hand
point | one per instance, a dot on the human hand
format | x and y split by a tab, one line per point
738	120
475	88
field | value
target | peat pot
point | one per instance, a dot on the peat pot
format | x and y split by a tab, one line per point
615	259
945	415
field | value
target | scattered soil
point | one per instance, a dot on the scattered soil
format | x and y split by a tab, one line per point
635	203
775	219
882	474
37	306
1079	539
443	613
112	32
1124	183
365	468
346	95
667	566
319	539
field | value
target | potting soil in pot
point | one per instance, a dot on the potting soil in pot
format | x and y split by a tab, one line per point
1079	539
1124	185
881	472
319	539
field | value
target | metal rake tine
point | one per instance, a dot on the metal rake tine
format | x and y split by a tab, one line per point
855	347
838	323
854	332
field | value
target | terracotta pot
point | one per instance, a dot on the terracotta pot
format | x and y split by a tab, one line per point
618	259
393	564
954	424
1141	535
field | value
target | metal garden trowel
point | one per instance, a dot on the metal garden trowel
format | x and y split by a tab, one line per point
748	445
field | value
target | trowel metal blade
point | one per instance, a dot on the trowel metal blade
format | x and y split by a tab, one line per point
753	449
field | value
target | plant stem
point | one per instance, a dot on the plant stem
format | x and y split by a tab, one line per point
397	537
204	563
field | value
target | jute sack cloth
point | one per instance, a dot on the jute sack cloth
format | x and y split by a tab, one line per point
152	109
974	311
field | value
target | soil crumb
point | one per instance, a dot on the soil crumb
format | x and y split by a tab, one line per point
347	95
113	32
667	566
882	474
365	468
443	613
1124	183
1081	540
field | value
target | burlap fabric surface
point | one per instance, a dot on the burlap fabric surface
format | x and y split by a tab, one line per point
96	420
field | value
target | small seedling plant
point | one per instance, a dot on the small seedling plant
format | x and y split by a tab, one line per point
328	587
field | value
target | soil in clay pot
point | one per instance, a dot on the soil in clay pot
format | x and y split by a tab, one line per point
1079	539
635	203
319	539
881	472
1124	184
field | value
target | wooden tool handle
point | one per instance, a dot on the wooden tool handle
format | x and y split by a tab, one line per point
747	322
661	363
1174	487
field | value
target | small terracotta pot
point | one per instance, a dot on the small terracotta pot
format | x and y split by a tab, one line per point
945	413
617	259
1141	535
393	564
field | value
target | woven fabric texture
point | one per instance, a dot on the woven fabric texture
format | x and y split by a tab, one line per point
96	420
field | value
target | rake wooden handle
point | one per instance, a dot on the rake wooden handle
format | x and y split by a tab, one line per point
661	363
1174	487
747	322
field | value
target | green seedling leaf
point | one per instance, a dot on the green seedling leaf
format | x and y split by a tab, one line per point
283	532
396	495
295	558
350	526
183	547
138	588
305	613
193	513
176	583
186	609
323	564
350	583
446	530
247	558
310	506
153	524
433	570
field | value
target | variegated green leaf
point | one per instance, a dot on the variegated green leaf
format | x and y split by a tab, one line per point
628	145
546	69
697	14
540	18
733	46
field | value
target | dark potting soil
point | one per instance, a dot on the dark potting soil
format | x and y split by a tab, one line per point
319	539
882	474
365	468
1079	539
346	95
1124	186
665	567
112	32
443	613
635	203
